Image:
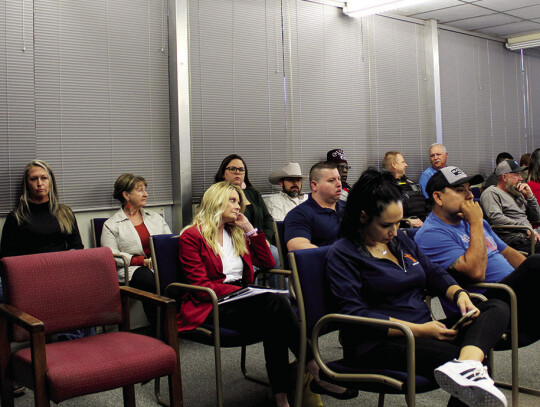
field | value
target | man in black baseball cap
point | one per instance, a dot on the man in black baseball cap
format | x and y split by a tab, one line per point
512	202
456	236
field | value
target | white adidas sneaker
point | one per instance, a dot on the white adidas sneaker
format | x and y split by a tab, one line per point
469	381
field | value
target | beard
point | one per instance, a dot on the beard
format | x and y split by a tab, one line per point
512	190
292	193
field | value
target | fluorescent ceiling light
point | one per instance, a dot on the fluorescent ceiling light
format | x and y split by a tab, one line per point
525	41
361	8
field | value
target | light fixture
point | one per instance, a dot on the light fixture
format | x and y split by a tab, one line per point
525	41
361	8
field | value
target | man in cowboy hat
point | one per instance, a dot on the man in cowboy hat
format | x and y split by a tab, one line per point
290	179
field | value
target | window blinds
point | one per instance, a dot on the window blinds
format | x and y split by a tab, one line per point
96	83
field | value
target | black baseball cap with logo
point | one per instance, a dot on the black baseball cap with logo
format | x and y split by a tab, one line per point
450	177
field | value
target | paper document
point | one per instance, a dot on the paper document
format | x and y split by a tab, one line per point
248	292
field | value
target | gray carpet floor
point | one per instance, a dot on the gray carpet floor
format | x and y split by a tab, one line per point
199	390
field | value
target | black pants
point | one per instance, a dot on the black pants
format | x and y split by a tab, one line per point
484	333
525	281
143	279
270	318
524	245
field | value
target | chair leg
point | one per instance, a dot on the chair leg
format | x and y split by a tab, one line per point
157	392
381	400
6	398
175	390
129	395
244	369
219	381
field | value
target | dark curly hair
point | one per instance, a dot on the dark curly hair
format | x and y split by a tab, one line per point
373	191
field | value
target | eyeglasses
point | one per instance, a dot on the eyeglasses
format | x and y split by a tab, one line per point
236	169
344	167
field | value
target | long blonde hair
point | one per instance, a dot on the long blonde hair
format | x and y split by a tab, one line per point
62	213
208	218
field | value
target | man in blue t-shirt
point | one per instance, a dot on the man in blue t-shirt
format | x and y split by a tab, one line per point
456	236
315	222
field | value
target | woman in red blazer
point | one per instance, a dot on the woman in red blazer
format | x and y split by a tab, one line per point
218	250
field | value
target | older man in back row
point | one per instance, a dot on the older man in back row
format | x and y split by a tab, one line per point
315	222
512	202
289	178
414	203
437	158
456	236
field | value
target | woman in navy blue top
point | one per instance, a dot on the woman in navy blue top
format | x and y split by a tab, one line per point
376	271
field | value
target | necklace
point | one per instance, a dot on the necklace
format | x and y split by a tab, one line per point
383	252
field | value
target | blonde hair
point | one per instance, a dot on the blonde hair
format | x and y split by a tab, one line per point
62	213
209	217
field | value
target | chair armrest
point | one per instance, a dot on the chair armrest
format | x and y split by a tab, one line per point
127	292
281	272
519	227
350	319
126	267
24	320
513	307
36	329
213	300
146	296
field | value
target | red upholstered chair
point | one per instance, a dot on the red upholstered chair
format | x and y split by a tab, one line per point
58	292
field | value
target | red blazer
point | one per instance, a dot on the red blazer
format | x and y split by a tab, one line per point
200	266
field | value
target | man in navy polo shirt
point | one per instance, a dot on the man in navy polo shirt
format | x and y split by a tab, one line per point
315	222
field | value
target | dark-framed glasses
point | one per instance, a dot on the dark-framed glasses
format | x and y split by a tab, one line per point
236	169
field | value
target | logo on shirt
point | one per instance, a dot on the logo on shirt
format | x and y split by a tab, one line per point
411	258
490	244
465	239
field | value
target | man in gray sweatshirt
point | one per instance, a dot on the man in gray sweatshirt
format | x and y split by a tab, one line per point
512	202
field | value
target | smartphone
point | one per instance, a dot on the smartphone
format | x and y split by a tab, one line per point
467	317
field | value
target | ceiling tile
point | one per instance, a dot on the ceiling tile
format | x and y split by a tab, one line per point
513	29
484	21
504	5
428	6
529	13
454	13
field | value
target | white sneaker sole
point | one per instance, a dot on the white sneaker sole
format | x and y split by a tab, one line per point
474	396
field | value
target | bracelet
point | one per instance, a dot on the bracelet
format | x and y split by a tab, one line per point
456	294
252	232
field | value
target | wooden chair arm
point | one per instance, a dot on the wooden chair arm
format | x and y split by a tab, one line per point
24	320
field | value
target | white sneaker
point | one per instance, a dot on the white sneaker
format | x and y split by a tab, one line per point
469	381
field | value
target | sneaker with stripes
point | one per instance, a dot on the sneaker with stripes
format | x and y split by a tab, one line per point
469	381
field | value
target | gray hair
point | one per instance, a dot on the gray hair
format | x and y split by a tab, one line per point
437	144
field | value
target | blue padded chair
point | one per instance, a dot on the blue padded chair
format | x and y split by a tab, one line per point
165	261
97	228
308	275
279	233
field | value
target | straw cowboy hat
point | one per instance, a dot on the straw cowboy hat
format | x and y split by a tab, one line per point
291	170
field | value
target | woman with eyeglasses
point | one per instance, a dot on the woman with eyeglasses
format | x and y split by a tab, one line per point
234	170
